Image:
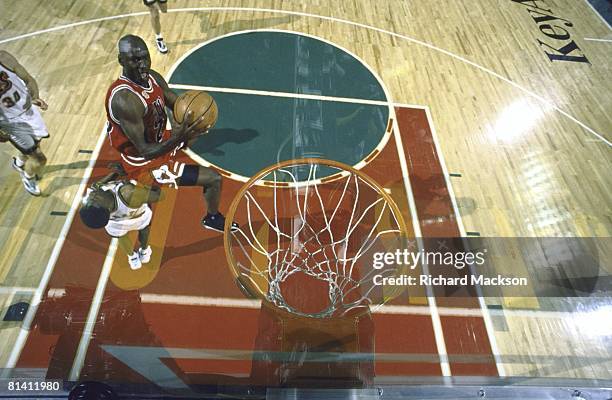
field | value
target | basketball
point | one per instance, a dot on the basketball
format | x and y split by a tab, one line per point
201	104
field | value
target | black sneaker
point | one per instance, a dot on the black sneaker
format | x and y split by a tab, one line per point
217	222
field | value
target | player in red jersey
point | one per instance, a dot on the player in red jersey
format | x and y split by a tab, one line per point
136	112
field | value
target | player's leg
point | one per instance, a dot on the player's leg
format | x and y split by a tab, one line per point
154	10
35	163
144	251
211	182
37	159
20	135
29	127
163	5
127	246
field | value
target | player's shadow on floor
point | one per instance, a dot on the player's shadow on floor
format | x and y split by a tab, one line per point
49	169
53	183
216	138
198	247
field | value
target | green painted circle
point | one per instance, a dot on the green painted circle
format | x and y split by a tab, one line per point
254	131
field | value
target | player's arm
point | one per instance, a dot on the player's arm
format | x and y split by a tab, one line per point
11	63
109	177
169	95
170	98
137	195
129	111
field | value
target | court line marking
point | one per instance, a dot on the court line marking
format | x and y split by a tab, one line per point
223	302
92	316
72	25
481	302
152	298
24	331
280	94
598	14
431	299
338	20
226	302
349	100
598	40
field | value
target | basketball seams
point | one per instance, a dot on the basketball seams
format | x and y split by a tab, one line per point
193	99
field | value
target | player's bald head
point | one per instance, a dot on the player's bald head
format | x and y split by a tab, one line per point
131	43
135	59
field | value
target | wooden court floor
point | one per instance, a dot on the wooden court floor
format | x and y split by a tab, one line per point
526	126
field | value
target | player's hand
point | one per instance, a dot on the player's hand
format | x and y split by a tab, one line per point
187	128
40	103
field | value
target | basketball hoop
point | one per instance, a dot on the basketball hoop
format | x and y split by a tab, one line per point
310	229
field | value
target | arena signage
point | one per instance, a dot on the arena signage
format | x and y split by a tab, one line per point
564	48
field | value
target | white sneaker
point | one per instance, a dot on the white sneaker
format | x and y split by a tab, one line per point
161	45
30	185
145	254
17	167
134	260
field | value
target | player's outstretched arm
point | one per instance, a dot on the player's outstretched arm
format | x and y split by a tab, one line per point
129	110
11	63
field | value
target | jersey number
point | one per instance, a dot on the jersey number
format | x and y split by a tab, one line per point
5	86
9	101
159	120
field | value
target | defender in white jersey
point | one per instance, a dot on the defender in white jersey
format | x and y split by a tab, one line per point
20	123
121	206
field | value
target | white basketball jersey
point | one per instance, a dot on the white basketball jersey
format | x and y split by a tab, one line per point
123	211
14	96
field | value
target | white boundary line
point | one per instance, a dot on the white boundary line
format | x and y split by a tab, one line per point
152	298
598	40
92	316
204	301
280	94
72	25
483	306
338	20
431	299
598	14
44	281
295	95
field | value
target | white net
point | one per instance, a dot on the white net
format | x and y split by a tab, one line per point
308	237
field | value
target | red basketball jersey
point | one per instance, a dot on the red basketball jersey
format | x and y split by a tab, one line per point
154	119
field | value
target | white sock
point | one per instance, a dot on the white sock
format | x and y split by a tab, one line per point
159	36
19	162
